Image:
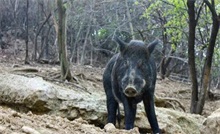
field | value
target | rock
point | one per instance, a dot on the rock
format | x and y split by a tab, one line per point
212	123
135	130
81	121
109	127
171	121
2	128
29	130
42	97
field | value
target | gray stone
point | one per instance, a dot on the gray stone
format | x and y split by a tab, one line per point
212	123
109	127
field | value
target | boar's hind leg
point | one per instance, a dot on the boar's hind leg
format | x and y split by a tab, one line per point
150	111
130	112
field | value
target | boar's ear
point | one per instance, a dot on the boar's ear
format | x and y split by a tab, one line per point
152	45
122	44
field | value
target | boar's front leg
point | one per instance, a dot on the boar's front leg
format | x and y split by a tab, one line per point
130	112
150	111
112	104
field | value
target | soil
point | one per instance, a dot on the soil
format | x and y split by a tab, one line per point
14	122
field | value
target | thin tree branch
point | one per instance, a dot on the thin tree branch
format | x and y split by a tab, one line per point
198	14
211	7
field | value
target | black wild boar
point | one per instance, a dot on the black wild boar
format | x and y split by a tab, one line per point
130	77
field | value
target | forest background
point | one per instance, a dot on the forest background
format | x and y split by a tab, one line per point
189	48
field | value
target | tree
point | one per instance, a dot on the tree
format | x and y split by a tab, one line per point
168	19
38	31
209	56
26	40
198	98
191	54
91	24
61	39
129	19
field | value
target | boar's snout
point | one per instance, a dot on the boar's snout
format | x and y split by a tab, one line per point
130	91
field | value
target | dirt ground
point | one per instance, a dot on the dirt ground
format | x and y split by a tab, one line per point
13	122
16	122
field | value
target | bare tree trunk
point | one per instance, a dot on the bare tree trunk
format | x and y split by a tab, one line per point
91	52
191	55
61	35
166	59
37	34
165	63
16	26
47	42
208	61
129	19
82	61
56	58
217	84
74	46
77	54
44	53
26	41
162	63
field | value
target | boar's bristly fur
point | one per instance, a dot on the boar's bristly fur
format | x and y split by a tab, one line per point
130	78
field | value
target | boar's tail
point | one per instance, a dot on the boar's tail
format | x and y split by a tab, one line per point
119	117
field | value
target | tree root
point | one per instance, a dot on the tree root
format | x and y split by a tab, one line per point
168	103
28	70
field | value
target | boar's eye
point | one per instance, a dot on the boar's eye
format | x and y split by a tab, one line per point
140	63
126	63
